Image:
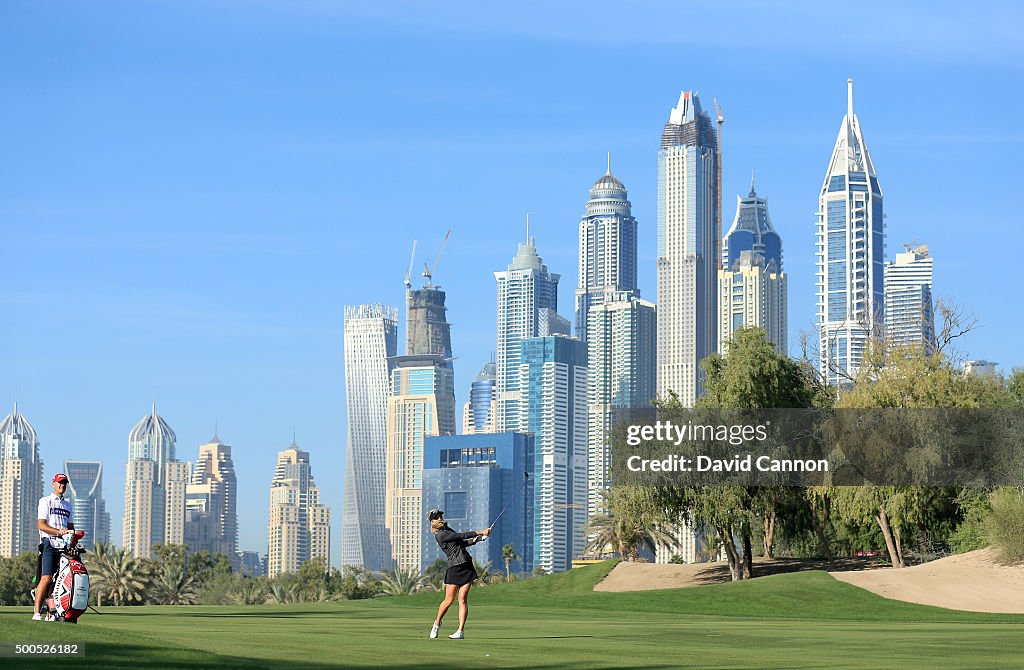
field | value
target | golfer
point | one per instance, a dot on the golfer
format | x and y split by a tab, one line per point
54	520
460	574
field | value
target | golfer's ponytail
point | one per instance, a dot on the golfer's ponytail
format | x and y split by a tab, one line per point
436	525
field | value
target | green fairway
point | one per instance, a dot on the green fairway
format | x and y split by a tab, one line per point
802	620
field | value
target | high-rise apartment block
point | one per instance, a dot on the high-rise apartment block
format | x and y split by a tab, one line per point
909	312
752	287
300	526
371	341
850	253
553	381
478	414
527	307
154	491
422	403
607	248
21	485
211	502
688	262
89	509
621	368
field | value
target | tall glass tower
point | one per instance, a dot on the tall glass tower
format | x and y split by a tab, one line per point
688	229
371	341
527	307
752	287
850	253
607	250
478	413
85	491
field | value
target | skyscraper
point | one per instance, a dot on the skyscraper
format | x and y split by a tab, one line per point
553	381
478	412
850	253
154	490
371	341
621	367
422	403
211	502
21	485
300	526
527	307
471	478
89	509
909	313
752	287
688	225
607	247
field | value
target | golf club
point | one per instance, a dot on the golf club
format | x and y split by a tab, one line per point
526	478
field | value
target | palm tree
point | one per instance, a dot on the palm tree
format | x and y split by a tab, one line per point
118	575
400	582
253	591
625	532
175	587
508	554
484	572
434	574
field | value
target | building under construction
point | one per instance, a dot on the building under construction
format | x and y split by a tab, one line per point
428	331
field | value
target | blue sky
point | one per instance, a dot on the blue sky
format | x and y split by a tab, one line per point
191	192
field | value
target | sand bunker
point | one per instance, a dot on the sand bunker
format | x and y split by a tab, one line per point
974	581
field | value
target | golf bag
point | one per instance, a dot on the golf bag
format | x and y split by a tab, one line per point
70	597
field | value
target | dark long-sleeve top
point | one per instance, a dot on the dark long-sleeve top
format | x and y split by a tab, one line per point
454	545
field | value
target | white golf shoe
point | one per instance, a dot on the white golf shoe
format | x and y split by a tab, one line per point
37	617
433	631
457	635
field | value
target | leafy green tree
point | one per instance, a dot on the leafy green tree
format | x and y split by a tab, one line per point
170	556
354	582
485	572
1005	523
251	591
16	575
508	554
750	375
907	377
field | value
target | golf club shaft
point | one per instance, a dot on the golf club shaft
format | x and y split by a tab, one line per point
508	503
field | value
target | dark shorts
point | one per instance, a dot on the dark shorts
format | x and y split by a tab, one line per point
460	574
51	559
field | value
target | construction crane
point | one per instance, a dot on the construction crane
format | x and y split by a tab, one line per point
428	272
718	195
408	273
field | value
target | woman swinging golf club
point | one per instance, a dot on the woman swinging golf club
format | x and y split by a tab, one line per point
460	574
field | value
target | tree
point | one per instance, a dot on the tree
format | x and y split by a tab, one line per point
633	520
907	377
400	582
175	588
508	554
750	375
117	575
434	574
16	575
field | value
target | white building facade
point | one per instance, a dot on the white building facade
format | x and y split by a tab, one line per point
21	485
371	340
688	224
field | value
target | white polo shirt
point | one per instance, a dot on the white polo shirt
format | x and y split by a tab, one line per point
56	512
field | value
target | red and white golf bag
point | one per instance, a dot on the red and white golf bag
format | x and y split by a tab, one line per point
70	597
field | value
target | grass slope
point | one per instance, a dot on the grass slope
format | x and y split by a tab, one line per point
802	620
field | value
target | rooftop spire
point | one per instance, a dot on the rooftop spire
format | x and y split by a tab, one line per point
527	227
849	99
609	172
752	191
